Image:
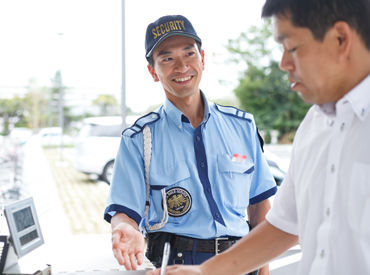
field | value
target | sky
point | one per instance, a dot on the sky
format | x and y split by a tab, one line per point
82	39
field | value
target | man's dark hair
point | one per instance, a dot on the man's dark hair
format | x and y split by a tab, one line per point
151	61
320	15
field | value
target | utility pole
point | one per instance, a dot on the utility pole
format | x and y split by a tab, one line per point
123	77
61	113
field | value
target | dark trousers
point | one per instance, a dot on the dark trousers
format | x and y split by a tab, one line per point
177	255
193	258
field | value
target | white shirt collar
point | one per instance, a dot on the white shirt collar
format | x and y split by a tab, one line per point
358	97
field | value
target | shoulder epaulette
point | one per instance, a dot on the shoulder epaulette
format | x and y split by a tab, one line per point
140	123
232	111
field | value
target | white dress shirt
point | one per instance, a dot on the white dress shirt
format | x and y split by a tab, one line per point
325	197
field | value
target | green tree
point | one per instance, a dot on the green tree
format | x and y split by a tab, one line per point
35	108
11	110
107	104
263	89
54	91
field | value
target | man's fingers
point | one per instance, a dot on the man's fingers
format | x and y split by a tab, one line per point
133	261
154	272
140	258
127	262
118	254
115	240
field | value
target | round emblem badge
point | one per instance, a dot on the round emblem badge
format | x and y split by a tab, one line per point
178	201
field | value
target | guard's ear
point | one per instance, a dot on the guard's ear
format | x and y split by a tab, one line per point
202	56
344	38
152	72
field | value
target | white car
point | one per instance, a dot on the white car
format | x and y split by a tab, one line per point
278	158
97	145
52	136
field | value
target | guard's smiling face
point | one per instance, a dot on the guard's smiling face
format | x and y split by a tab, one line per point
178	65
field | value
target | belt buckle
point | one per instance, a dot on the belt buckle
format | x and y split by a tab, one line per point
216	243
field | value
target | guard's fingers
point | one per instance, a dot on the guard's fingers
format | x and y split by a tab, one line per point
115	239
118	254
133	261
140	258
127	261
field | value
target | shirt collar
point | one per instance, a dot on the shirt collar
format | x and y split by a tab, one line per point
177	116
358	97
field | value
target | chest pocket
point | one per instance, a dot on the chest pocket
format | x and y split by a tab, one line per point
236	180
176	180
226	164
164	177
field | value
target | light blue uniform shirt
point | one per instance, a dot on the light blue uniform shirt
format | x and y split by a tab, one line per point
211	174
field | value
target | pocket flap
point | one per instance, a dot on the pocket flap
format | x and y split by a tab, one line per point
162	177
225	164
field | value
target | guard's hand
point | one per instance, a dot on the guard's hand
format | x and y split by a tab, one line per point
179	269
128	246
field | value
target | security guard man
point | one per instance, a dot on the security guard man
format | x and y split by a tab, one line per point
198	164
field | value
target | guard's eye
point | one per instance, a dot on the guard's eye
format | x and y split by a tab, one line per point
292	50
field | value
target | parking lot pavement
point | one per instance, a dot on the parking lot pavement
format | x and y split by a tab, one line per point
38	178
82	198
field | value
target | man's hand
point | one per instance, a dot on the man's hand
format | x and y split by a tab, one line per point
179	269
128	245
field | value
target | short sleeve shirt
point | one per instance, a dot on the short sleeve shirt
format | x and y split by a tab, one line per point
210	174
325	197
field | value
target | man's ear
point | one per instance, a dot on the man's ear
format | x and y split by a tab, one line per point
152	72
202	55
344	38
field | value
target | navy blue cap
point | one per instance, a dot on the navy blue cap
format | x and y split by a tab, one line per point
165	27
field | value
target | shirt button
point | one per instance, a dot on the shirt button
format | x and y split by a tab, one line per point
332	168
342	126
327	212
322	253
179	126
202	164
198	138
217	215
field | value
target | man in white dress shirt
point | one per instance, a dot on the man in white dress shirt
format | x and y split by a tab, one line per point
324	201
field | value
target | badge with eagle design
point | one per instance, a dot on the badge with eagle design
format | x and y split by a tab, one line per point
178	201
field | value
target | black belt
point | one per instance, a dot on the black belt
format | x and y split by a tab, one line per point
216	245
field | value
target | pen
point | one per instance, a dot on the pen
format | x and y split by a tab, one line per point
166	255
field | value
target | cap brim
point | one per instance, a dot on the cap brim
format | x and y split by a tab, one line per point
149	54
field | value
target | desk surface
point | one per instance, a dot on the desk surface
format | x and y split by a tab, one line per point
77	254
